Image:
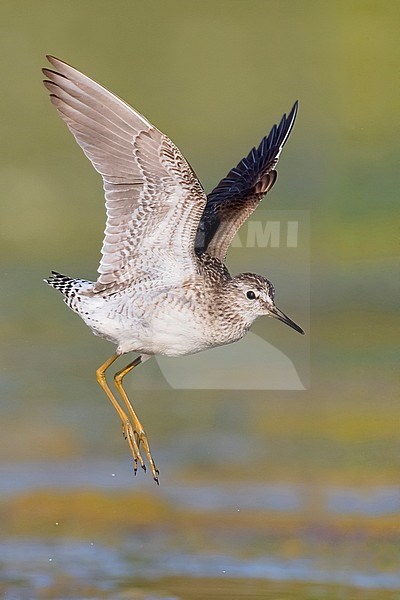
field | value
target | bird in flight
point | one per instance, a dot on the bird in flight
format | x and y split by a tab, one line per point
163	287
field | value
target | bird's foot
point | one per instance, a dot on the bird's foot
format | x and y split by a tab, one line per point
132	439
135	439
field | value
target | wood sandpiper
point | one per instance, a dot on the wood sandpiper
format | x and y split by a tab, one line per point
163	287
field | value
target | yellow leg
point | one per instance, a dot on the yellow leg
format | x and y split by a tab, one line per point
140	434
128	430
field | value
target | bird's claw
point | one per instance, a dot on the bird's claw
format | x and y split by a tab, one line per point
135	439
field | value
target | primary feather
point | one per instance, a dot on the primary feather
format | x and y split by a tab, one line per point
240	192
154	200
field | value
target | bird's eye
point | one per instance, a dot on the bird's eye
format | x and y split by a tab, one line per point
251	295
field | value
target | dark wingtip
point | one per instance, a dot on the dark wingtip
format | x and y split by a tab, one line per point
293	113
287	122
52	59
57	63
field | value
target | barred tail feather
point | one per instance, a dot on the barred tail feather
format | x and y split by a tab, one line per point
68	286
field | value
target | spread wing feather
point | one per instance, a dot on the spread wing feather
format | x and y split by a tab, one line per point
154	200
240	192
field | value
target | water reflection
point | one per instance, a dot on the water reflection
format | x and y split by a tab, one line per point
115	475
89	529
36	565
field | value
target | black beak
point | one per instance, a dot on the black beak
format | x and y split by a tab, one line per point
278	314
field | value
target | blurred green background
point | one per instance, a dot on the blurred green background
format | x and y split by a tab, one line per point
264	494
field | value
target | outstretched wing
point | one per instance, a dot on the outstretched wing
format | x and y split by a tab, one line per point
154	200
240	192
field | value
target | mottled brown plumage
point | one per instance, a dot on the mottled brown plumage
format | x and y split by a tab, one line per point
163	287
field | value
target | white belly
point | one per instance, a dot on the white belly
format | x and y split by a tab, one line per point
172	331
173	335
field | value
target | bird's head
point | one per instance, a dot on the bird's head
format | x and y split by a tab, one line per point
254	296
